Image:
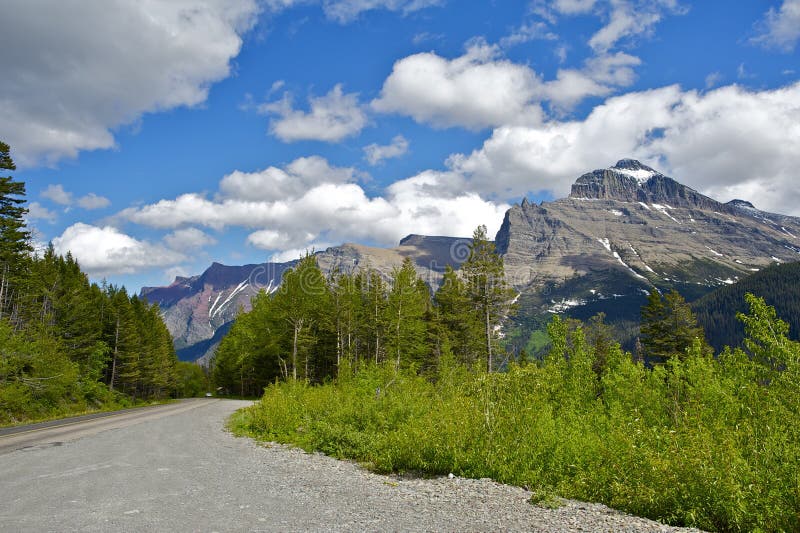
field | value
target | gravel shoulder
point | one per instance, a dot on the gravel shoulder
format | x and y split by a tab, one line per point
183	472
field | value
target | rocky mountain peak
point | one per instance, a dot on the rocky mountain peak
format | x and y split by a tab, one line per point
631	181
744	204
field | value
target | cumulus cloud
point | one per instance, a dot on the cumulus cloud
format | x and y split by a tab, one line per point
37	211
74	75
325	209
480	89
728	142
330	118
56	193
188	239
93	201
377	153
475	90
780	28
273	184
105	250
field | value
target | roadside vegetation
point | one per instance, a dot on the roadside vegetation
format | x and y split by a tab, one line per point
677	433
68	346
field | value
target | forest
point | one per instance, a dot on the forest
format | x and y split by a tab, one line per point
67	345
315	326
404	382
779	285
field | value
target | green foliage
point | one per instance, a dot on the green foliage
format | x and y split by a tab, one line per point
313	329
701	441
67	345
490	296
669	327
779	285
191	380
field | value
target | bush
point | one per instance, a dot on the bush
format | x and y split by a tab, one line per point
700	441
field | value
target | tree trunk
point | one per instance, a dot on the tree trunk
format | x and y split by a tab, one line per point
114	360
294	352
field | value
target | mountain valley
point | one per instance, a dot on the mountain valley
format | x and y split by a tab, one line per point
622	231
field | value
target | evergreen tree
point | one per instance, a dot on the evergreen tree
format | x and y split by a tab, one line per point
669	328
406	306
491	297
302	303
373	319
15	245
461	329
348	307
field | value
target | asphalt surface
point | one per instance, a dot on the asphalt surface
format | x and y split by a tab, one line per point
174	468
25	428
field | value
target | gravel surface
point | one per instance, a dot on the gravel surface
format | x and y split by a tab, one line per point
183	472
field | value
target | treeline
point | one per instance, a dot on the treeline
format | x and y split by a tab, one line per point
68	345
779	285
315	327
692	438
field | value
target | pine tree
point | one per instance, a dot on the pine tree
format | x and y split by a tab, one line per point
491	297
669	328
461	329
302	302
373	319
15	245
407	304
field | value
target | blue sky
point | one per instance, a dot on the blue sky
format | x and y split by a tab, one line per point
156	137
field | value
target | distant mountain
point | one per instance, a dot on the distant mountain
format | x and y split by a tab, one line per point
779	285
622	231
198	310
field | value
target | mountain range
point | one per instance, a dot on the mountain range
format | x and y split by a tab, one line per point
621	231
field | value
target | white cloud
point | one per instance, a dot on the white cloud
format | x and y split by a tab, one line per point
297	253
331	118
781	28
377	153
530	31
188	239
713	79
479	89
105	250
345	11
600	76
72	76
728	142
93	201
37	211
631	18
57	194
326	209
273	184
475	90
176	271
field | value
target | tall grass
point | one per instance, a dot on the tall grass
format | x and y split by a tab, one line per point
700	441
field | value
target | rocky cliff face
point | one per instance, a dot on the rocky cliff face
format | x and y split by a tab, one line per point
632	221
198	310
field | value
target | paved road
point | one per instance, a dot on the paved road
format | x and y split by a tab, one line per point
174	468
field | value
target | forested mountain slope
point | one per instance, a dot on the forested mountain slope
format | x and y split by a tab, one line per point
779	285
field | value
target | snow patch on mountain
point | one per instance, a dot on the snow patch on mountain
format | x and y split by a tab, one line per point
641	175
